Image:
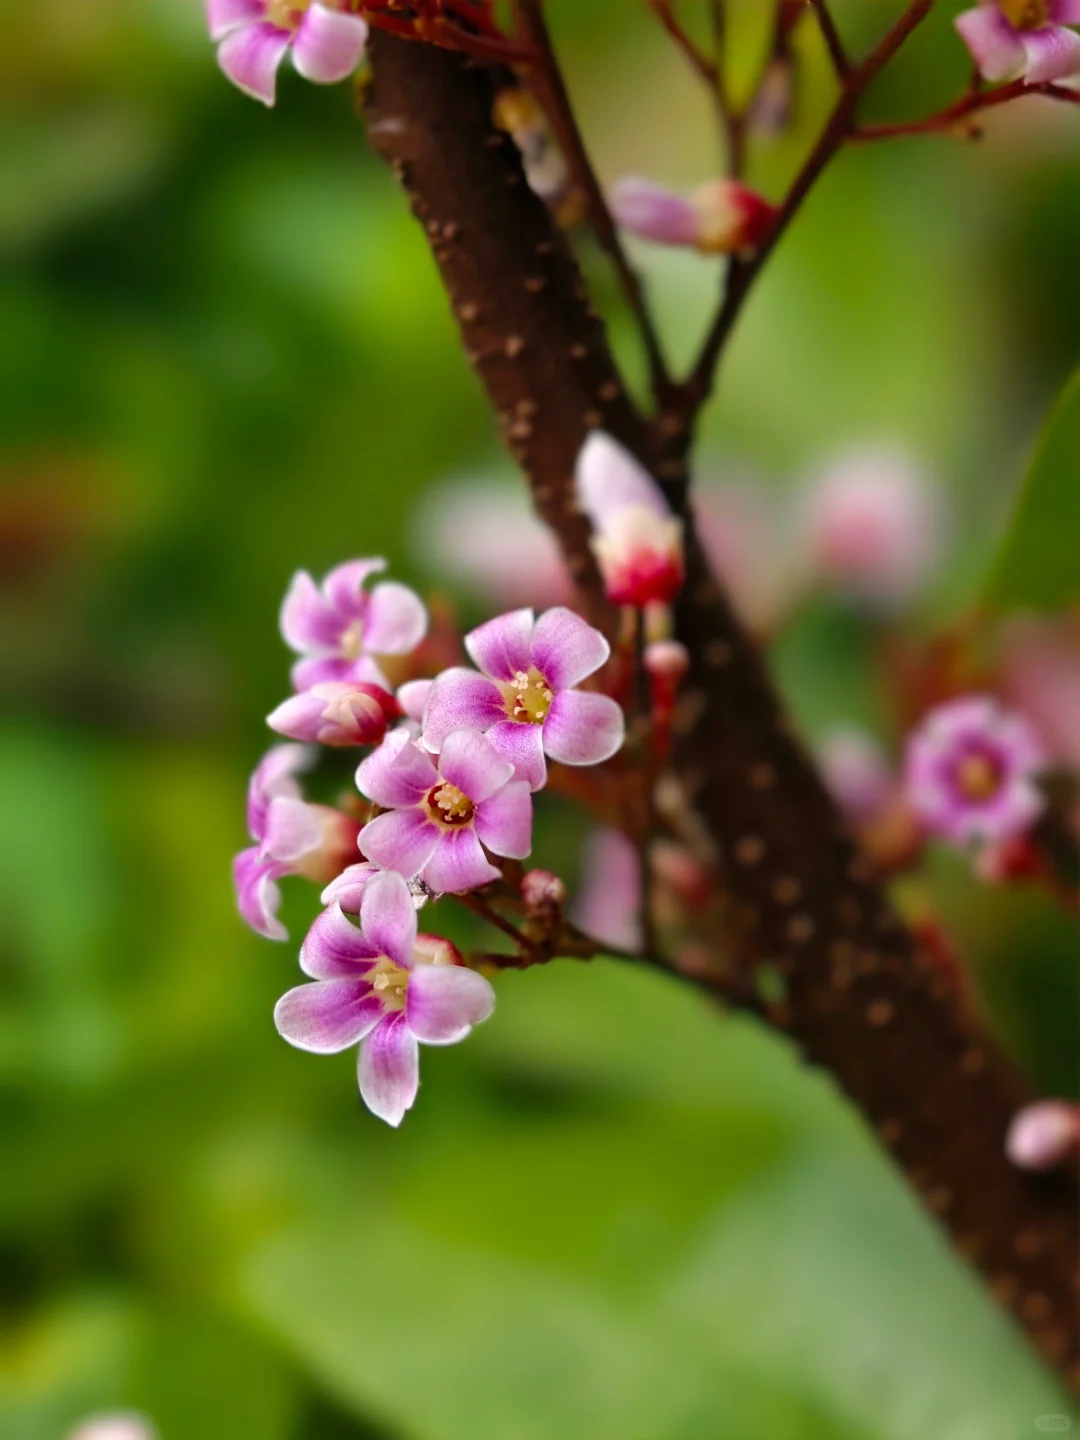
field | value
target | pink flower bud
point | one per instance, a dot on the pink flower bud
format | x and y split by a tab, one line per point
666	660
336	712
637	541
437	950
722	217
1044	1135
334	848
542	890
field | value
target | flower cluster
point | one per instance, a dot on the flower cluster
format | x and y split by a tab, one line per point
253	37
452	766
1023	39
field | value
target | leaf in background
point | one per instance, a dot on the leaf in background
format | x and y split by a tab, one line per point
1038	566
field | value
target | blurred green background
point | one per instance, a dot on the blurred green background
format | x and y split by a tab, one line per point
613	1213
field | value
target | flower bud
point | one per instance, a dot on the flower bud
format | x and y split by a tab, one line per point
858	774
542	890
338	713
722	217
666	660
437	950
1044	1135
333	844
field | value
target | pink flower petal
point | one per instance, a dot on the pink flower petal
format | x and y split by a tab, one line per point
396	619
274	775
501	647
445	1001
389	1069
504	822
608	906
1064	12
648	210
566	649
336	949
523	745
413	697
609	479
328	45
399	773
293	828
470	762
309	623
458	864
300	716
402	840
582	728
250	58
258	895
224	16
344	586
460	700
347	890
388	917
1052	54
994	44
326	1016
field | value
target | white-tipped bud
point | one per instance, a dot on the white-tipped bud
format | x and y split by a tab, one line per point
666	660
1044	1135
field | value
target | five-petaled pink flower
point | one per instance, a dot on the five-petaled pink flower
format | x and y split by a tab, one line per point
970	772
525	699
339	627
441	815
336	712
252	37
1023	38
637	541
291	838
385	988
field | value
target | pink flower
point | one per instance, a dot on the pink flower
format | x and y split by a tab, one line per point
337	712
608	904
858	774
872	526
122	1425
340	628
252	37
525	699
291	838
347	889
1013	38
1041	677
1044	1135
970	772
441	816
385	988
637	541
722	217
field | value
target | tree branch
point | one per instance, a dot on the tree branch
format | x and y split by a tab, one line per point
863	1001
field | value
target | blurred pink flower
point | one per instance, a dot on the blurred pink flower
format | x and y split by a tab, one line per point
1044	1135
858	773
1009	39
1041	677
121	1425
608	903
253	37
741	536
872	526
722	217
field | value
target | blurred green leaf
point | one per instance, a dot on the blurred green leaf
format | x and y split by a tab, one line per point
1038	566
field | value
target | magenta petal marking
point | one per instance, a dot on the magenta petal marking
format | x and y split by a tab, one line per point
523	746
1051	54
609	479
389	1069
335	949
501	647
460	700
444	1002
396	619
223	16
258	895
469	761
504	822
582	728
309	624
328	45
993	43
388	917
326	1016
566	649
344	586
402	840
398	773
458	864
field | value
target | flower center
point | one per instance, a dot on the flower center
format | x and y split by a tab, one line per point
390	983
449	806
527	697
352	641
978	778
286	14
1026	14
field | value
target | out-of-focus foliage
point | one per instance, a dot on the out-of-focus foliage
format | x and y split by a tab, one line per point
613	1213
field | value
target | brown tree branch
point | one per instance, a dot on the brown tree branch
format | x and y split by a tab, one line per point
863	1001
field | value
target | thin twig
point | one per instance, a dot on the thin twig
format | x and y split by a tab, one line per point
833	43
551	91
970	104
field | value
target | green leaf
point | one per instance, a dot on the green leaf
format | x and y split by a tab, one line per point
1038	566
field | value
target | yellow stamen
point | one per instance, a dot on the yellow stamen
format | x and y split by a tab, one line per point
1026	14
527	697
978	778
390	982
449	806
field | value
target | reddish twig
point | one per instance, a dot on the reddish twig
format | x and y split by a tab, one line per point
833	43
963	109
